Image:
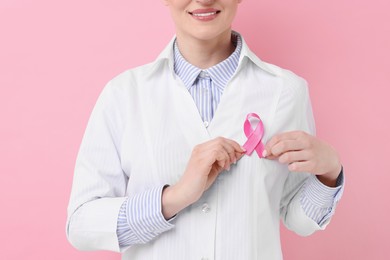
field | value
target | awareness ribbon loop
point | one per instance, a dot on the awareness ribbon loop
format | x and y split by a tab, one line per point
254	136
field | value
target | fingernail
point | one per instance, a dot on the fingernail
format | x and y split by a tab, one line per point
243	148
264	153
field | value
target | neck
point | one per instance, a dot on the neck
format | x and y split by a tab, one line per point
205	53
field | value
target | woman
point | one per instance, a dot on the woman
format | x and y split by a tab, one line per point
162	172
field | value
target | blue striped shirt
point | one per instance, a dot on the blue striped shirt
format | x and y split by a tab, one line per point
140	218
206	86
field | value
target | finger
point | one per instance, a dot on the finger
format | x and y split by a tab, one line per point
269	157
286	146
208	157
210	151
302	166
222	158
230	150
217	145
293	135
294	156
239	156
227	153
229	145
239	151
237	147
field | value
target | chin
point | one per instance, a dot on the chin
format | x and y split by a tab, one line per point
206	34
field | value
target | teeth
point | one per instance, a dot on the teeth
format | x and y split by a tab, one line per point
205	14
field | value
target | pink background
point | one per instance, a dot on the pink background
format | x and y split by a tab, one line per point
56	56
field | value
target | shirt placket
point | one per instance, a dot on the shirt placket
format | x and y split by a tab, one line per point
205	106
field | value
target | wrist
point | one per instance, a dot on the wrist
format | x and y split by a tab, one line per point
172	202
330	178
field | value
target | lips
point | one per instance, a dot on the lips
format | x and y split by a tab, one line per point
204	14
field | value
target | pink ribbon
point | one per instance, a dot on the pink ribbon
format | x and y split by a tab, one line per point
254	136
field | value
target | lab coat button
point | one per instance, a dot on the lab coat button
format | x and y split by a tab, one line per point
206	208
206	124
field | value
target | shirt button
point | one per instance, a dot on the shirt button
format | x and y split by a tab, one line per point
203	74
206	124
206	208
204	258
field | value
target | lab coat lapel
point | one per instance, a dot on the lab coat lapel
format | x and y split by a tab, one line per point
242	96
187	114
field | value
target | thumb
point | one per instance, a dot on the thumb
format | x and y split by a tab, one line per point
267	153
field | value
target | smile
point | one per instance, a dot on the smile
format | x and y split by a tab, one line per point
204	14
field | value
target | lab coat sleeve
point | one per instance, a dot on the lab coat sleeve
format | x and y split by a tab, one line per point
293	113
99	183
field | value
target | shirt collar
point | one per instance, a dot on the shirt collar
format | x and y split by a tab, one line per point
220	73
167	57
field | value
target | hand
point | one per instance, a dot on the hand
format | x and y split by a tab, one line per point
207	161
305	153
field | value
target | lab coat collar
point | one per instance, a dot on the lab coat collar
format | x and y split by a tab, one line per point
246	53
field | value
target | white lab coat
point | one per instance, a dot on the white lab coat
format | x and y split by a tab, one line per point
141	134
